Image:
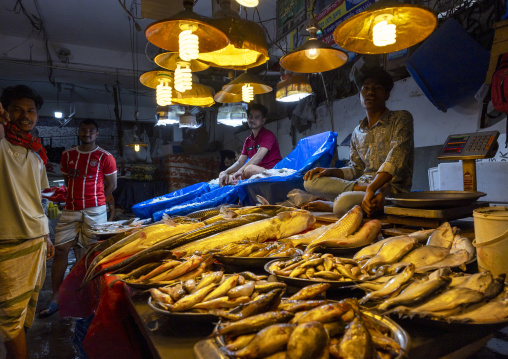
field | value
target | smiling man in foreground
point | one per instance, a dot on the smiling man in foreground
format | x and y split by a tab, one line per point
381	154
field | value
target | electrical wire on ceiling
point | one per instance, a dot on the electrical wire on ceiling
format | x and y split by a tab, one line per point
267	33
37	25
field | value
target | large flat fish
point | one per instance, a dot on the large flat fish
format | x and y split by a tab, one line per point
421	257
442	236
371	250
307	341
391	252
415	294
364	236
356	341
449	299
282	225
460	242
345	226
485	283
307	237
492	311
451	260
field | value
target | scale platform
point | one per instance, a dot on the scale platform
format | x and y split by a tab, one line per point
430	217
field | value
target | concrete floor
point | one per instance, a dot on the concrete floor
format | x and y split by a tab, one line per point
52	338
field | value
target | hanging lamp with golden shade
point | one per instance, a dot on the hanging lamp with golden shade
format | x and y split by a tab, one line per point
166	33
384	27
226	97
248	85
247	42
293	88
162	81
199	95
313	55
169	60
248	3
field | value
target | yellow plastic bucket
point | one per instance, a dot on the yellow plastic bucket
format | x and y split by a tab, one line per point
491	239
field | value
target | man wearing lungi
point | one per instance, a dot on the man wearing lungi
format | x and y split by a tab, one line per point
24	239
90	176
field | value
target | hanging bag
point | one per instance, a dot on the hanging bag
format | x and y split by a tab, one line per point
499	90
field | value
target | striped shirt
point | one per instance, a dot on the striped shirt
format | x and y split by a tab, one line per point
86	173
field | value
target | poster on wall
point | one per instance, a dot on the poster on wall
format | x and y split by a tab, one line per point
290	13
335	13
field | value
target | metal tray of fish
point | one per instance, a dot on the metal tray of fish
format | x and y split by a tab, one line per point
248	262
406	320
341	252
299	282
183	316
396	332
435	199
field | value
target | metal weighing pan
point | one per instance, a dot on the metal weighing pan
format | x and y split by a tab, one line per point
435	199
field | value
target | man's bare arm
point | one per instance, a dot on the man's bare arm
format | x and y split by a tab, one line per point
110	184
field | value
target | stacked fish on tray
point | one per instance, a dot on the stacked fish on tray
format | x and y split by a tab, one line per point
211	291
303	326
443	295
255	249
185	235
444	247
344	233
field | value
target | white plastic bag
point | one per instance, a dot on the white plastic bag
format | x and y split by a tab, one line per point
297	197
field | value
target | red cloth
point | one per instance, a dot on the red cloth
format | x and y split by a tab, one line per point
19	138
55	194
85	172
112	332
267	139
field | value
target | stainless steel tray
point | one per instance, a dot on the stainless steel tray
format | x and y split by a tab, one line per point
183	316
435	199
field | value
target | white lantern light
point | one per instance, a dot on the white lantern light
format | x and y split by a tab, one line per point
164	91
384	32
183	77
247	93
188	43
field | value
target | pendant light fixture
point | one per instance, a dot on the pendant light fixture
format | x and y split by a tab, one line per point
247	41
293	88
384	27
188	34
199	95
248	85
226	97
162	81
313	55
232	115
188	120
168	115
248	3
169	61
136	142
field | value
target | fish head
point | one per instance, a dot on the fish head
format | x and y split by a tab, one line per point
294	222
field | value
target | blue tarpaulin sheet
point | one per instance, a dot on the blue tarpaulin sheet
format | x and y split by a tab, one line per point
310	152
214	198
147	208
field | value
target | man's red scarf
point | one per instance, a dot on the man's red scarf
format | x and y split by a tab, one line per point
19	138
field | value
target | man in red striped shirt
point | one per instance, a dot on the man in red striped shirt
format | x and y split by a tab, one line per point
90	175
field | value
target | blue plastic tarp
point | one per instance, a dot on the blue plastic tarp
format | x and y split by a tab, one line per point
147	208
310	152
214	198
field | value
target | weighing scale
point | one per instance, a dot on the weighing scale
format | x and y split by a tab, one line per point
467	148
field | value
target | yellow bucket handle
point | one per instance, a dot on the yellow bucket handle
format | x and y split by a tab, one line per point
492	241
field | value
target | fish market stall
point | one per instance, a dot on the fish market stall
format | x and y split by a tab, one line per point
168	284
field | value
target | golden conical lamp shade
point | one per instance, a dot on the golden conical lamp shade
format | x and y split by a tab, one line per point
235	86
247	47
165	33
199	95
313	56
226	97
151	78
293	88
168	60
413	24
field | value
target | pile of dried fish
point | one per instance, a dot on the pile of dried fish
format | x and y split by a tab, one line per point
308	328
345	233
444	295
212	292
252	249
321	267
443	247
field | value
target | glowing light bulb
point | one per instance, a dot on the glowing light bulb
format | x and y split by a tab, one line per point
248	3
311	53
183	77
163	94
247	93
189	43
384	32
136	148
